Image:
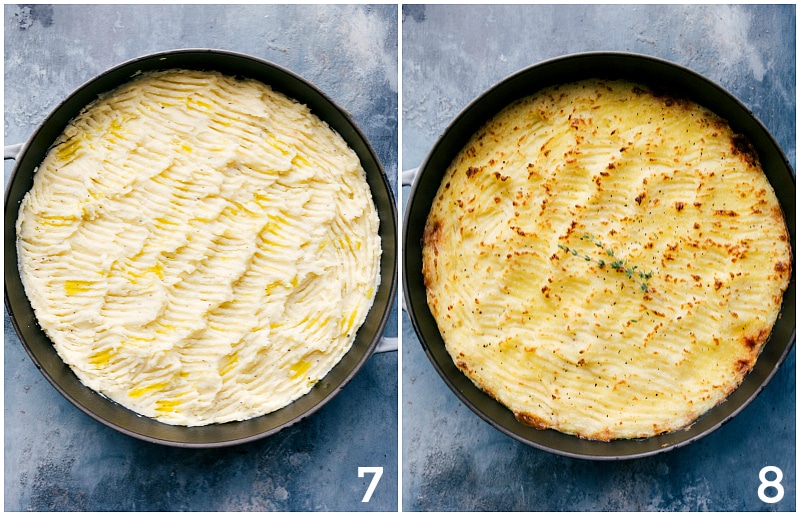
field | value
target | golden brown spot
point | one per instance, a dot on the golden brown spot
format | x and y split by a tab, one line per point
531	420
742	148
783	267
753	341
432	236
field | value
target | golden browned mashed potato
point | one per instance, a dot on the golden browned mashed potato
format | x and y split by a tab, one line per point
606	261
200	249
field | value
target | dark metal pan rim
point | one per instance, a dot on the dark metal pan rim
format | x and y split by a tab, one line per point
102	409
559	70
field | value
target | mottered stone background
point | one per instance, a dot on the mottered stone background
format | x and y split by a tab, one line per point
56	458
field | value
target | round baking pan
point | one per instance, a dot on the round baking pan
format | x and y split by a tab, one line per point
40	348
660	74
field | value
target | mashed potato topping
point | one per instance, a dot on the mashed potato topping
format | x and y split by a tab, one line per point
199	248
605	260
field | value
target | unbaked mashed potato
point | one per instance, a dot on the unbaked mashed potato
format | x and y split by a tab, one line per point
199	248
606	261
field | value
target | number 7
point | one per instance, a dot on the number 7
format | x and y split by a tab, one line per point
377	471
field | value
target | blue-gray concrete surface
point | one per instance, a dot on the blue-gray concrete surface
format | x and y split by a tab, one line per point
452	460
57	458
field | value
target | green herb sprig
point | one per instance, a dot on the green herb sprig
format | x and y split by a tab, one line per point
618	264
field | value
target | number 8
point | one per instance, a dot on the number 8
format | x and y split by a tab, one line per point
776	483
